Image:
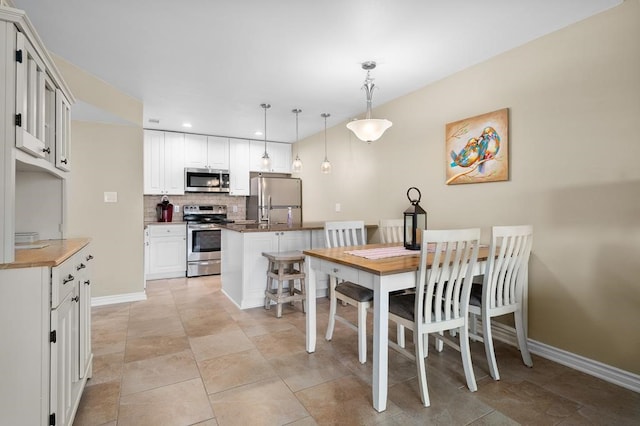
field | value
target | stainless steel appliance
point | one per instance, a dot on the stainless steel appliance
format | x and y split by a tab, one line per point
273	199
204	249
206	180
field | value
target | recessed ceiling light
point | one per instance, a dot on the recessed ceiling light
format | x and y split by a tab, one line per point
186	125
258	133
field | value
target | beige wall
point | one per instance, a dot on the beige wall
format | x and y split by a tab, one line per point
107	157
574	102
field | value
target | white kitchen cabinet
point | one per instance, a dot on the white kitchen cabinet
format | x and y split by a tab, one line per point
63	132
206	152
30	98
65	356
45	367
167	251
279	153
83	268
239	167
49	120
244	267
30	81
163	163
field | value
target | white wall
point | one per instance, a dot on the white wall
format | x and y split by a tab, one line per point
107	156
574	103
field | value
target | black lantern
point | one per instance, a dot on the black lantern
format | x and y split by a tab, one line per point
415	219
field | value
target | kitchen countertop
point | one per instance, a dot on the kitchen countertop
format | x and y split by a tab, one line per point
53	253
175	222
263	227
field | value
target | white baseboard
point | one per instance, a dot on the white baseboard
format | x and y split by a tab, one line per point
118	298
597	369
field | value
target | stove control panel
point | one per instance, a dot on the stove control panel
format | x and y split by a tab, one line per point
205	209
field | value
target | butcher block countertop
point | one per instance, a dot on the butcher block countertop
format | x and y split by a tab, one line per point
51	253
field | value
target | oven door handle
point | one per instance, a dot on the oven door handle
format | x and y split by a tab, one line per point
205	227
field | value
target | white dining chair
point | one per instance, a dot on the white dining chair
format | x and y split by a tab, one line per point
391	230
503	286
441	300
341	234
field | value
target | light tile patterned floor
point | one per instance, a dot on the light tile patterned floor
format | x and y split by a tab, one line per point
188	356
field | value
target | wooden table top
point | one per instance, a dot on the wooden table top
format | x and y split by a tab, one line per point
53	254
386	266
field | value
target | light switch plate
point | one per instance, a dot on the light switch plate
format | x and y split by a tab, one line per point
338	207
110	197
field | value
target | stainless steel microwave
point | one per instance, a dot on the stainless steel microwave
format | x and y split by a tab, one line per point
206	180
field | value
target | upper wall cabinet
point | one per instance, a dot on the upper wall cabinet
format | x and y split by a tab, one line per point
206	152
279	153
239	167
63	131
30	98
43	111
163	163
34	124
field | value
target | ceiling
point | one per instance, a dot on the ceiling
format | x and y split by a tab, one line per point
213	62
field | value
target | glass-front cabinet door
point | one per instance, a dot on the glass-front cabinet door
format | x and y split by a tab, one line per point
30	99
63	131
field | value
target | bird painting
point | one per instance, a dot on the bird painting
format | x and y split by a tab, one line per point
467	156
488	146
478	148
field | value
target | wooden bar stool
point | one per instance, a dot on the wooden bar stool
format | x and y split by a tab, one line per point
282	267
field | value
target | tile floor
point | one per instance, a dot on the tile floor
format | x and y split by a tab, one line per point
188	356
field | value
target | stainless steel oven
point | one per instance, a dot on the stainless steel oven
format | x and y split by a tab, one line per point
204	247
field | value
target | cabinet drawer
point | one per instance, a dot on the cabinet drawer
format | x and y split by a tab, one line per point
340	271
167	230
63	279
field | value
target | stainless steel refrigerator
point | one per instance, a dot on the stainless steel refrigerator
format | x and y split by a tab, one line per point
271	198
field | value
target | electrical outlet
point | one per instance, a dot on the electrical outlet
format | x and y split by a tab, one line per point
176	208
338	207
235	209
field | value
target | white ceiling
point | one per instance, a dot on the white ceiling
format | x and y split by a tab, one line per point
213	62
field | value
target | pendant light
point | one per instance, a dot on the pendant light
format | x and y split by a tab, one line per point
266	161
296	166
369	129
325	167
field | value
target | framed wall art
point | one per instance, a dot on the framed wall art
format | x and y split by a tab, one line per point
478	148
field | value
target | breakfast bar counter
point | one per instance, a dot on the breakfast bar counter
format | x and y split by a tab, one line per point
275	227
244	267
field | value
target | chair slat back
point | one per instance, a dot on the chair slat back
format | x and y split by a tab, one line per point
344	233
506	271
391	230
443	290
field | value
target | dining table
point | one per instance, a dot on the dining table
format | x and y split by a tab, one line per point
397	270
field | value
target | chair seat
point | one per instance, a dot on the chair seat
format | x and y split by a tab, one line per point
355	291
403	305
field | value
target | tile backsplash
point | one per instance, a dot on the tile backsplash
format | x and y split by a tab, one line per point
150	202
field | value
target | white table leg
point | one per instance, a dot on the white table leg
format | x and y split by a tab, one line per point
380	345
311	304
